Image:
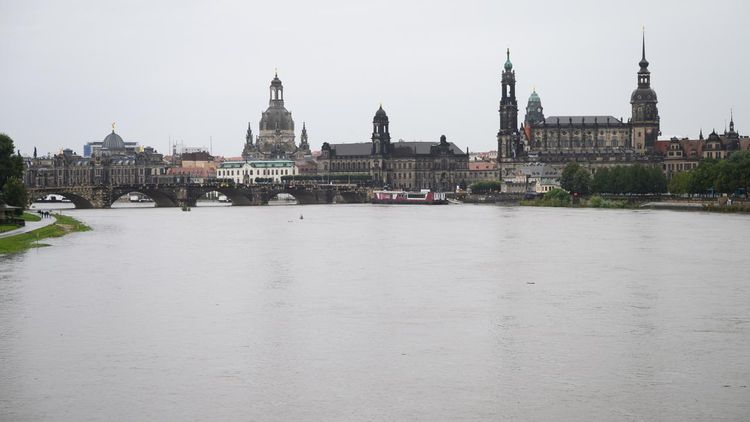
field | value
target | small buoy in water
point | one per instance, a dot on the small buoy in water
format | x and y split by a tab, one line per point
301	217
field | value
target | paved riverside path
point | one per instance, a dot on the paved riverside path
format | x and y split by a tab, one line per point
30	225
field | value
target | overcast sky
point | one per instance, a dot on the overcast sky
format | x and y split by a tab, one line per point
193	71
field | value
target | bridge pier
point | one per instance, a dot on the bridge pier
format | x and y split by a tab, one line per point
352	197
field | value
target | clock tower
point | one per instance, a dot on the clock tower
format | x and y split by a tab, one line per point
645	115
534	110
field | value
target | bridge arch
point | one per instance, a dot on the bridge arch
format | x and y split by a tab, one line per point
79	200
161	197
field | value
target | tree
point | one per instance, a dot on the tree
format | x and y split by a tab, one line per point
602	181
10	165
741	161
556	198
575	179
704	176
14	193
486	186
680	183
582	181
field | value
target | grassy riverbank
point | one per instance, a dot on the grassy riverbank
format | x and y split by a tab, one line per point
561	198
23	241
25	216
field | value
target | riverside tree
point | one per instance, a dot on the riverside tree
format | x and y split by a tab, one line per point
715	176
11	167
576	179
635	179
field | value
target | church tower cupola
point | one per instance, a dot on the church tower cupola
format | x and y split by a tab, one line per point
534	110
645	114
381	136
507	138
277	92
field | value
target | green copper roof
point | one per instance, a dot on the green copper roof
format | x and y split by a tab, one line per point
534	97
508	64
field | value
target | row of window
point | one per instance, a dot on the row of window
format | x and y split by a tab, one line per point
614	143
264	172
670	167
419	165
578	132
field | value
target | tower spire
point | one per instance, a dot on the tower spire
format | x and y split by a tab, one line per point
643	63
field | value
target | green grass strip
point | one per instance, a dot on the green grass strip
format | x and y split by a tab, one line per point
23	241
30	217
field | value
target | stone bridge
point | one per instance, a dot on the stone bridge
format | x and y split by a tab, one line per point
181	195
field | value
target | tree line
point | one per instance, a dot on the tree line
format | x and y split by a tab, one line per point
712	176
635	179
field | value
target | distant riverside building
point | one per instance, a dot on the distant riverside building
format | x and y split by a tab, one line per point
179	148
599	140
112	162
198	165
407	165
685	154
483	170
256	171
276	139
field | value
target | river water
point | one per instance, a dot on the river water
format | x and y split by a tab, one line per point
383	313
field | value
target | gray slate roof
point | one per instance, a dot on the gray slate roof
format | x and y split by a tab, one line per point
399	148
357	148
586	120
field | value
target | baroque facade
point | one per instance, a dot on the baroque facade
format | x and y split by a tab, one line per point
601	140
113	163
400	165
685	154
276	139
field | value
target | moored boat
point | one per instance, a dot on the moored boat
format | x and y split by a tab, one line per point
423	197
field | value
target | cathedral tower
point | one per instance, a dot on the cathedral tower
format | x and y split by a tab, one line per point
508	146
645	115
381	137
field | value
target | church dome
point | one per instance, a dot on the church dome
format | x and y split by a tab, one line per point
534	98
277	117
643	95
380	116
113	141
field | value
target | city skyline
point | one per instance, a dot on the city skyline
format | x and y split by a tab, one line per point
192	73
